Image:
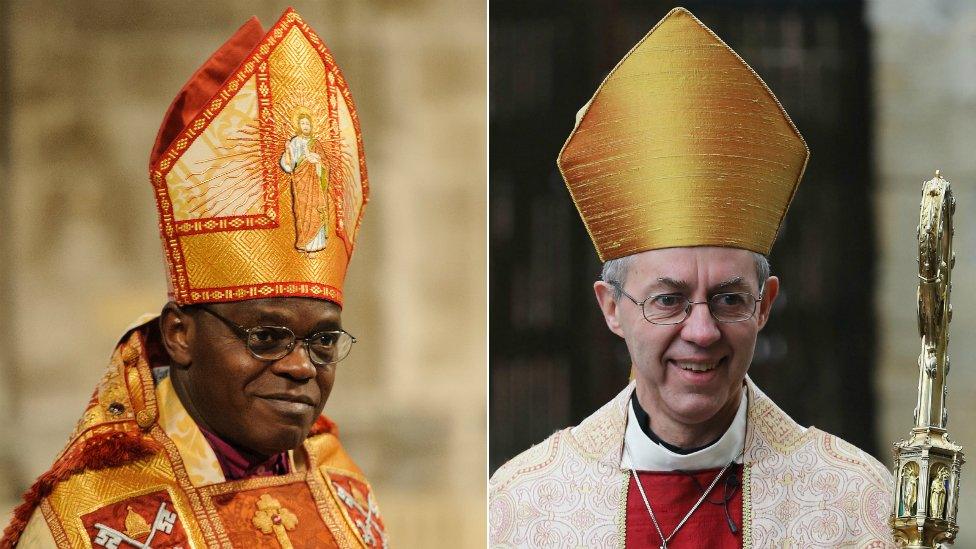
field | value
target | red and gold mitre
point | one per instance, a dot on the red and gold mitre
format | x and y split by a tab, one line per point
682	145
259	172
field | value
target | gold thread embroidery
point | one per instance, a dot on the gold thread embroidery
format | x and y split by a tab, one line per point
207	494
252	483
178	257
54	523
325	500
135	525
203	520
746	506
272	518
622	513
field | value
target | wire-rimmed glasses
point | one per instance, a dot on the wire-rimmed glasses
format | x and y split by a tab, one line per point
276	342
672	308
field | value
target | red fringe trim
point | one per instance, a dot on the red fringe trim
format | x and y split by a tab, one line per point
323	425
99	452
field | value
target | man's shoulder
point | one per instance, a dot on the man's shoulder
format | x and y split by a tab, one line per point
828	488
326	450
536	458
842	455
556	482
597	438
775	432
810	481
36	533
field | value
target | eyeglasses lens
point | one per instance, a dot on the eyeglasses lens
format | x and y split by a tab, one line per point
324	347
665	308
732	307
270	342
329	347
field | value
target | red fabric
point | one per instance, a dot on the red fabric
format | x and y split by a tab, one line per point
238	510
671	496
323	425
169	532
99	452
237	464
355	497
204	83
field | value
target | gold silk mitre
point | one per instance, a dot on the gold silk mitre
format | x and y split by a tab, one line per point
682	145
259	172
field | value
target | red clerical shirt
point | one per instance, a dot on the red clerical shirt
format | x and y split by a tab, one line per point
238	464
672	495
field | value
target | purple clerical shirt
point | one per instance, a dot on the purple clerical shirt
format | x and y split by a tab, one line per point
237	463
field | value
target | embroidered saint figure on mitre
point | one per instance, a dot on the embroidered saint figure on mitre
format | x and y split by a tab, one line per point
304	158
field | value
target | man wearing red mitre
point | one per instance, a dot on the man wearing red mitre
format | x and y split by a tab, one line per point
206	429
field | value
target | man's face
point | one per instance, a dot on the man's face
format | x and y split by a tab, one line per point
265	406
305	124
688	372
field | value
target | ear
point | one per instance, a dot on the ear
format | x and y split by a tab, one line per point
608	305
177	330
770	291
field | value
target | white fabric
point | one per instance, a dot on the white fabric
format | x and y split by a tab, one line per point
318	242
37	534
801	487
648	455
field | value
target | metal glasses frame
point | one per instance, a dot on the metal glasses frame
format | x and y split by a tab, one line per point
245	333
689	304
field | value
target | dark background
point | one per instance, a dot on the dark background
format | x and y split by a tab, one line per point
552	359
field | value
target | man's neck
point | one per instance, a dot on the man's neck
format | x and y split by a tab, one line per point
238	463
178	381
644	422
687	436
235	461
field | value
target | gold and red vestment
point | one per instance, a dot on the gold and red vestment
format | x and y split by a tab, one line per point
260	182
137	470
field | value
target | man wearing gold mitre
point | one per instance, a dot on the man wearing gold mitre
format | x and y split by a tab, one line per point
205	430
682	166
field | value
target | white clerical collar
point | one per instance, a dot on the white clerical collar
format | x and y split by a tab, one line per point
648	455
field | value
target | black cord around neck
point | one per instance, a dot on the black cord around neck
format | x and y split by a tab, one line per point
644	421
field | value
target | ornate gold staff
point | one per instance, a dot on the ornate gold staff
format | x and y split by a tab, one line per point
927	465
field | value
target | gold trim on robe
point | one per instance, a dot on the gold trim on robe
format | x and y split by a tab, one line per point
178	494
806	488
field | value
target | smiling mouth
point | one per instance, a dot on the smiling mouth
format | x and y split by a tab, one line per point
289	399
697	366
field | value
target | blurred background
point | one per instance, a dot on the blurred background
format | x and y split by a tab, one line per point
83	89
884	92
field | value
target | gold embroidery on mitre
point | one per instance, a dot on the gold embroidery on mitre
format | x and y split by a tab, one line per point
135	525
272	518
262	193
682	145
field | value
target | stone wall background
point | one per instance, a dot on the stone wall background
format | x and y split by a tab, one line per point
83	88
925	119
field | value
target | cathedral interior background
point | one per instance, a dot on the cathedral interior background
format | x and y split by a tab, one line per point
83	89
